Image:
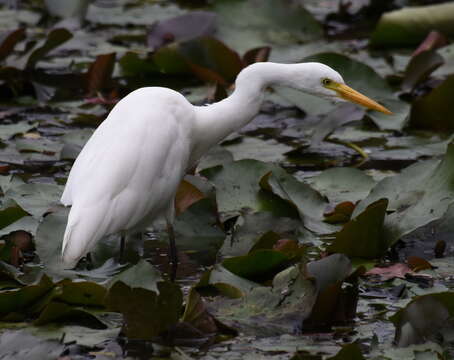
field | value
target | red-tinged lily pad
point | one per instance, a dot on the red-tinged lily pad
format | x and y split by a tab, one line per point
434	40
363	236
420	67
390	272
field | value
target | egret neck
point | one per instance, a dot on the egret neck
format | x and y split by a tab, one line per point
216	121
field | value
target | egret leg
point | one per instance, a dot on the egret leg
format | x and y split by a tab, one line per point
173	256
122	247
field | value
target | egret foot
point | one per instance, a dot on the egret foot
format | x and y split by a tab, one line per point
173	256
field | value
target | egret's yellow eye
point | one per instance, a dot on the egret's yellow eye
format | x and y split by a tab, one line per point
326	81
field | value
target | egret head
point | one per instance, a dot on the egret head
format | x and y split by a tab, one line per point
321	80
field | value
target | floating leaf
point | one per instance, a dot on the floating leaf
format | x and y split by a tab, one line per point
423	318
99	75
432	111
390	272
410	25
181	28
10	41
55	38
420	67
147	314
260	264
187	194
418	195
348	352
236	194
363	236
309	202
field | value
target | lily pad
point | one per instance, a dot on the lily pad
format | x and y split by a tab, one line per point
236	194
410	25
423	317
363	236
418	195
342	184
147	314
432	111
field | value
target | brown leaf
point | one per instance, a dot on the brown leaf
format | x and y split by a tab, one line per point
259	54
99	74
10	41
187	194
417	264
21	239
340	214
440	248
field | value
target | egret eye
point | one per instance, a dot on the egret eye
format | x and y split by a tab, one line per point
326	82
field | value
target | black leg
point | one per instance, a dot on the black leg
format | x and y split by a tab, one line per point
122	247
173	256
89	261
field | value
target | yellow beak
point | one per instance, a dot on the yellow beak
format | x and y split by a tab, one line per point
347	93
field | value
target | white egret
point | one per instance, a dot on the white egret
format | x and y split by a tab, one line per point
127	174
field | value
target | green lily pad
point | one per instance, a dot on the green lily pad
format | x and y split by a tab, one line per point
271	22
342	184
236	194
410	25
21	345
363	236
423	318
418	195
35	199
249	229
310	203
267	311
196	230
258	264
141	275
348	352
433	110
22	300
147	314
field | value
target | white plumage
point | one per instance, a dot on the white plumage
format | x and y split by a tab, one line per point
128	172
